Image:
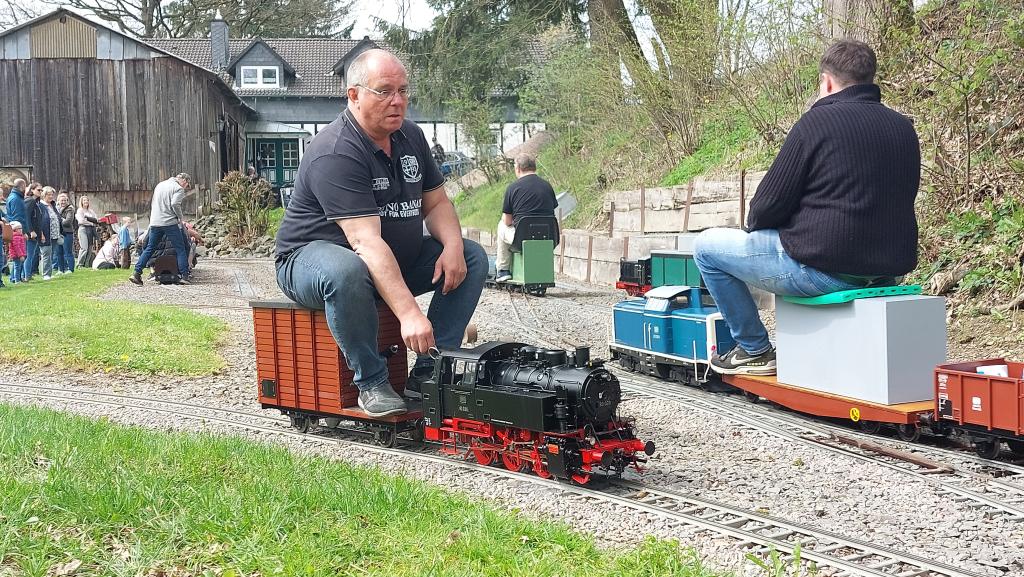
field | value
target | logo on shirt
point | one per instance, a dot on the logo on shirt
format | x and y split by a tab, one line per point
411	168
399	210
381	184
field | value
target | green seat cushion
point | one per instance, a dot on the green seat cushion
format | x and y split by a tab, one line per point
853	294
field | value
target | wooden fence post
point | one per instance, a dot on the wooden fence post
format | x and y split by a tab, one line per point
643	209
590	254
686	211
561	254
743	198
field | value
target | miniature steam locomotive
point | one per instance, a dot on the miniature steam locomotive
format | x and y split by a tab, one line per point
540	409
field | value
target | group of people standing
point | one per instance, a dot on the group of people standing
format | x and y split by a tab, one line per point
43	225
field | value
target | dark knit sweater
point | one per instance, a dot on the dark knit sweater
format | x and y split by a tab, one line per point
841	192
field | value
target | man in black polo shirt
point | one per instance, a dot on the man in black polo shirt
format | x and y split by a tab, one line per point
353	233
834	212
529	195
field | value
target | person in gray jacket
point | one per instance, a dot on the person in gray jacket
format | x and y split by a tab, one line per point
165	219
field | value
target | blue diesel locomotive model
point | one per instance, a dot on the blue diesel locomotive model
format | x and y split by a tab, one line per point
671	333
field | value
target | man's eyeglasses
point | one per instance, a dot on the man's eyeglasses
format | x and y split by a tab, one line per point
388	95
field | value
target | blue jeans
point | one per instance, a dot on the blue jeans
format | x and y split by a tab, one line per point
332	278
17	275
156	234
64	254
730	259
31	264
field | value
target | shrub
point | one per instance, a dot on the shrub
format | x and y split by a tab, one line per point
243	203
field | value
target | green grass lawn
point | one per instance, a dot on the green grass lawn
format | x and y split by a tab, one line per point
481	206
56	322
127	501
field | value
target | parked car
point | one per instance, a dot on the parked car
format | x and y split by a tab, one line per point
456	164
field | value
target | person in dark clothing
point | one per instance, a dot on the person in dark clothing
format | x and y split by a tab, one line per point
34	235
437	151
353	234
529	195
834	212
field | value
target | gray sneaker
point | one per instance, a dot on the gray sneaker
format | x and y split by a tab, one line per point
381	401
740	362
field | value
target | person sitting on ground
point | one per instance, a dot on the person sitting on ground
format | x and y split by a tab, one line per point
165	220
18	253
353	234
528	195
834	212
106	257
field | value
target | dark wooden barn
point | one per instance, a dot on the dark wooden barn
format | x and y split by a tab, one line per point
98	112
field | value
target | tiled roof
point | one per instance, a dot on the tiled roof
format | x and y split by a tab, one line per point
312	58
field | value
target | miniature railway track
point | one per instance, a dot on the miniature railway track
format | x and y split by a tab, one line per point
1007	502
757	534
1002	497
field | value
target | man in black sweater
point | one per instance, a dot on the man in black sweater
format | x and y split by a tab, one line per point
834	212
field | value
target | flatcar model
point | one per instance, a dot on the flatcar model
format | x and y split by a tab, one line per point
533	257
670	333
545	410
872	356
549	411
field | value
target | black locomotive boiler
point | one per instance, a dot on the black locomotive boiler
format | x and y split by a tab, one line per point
531	408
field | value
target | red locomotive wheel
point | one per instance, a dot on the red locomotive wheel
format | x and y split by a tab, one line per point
514	462
541	470
483	456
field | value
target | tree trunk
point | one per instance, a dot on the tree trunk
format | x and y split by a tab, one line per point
865	20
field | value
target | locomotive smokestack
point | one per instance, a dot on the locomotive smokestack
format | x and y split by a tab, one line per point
582	356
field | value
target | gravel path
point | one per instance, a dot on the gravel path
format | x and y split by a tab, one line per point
697	453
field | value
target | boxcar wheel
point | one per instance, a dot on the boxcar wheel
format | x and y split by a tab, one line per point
988	449
909	433
870	427
1017	447
300	423
384	438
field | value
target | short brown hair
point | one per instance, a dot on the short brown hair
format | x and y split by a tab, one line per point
526	163
850	62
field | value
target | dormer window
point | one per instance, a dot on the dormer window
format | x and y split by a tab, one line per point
261	77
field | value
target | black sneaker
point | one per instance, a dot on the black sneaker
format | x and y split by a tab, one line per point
740	362
381	401
418	376
136	279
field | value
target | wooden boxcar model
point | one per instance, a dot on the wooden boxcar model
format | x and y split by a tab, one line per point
300	369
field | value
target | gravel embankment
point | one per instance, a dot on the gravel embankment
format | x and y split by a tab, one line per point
702	454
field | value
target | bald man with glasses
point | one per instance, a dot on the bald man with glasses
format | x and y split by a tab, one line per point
353	234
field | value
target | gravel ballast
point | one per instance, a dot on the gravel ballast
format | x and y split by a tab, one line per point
697	453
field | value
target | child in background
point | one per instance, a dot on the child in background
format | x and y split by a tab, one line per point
18	253
124	238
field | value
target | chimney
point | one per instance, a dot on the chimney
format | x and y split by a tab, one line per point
220	53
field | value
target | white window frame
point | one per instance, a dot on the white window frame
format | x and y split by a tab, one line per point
259	77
